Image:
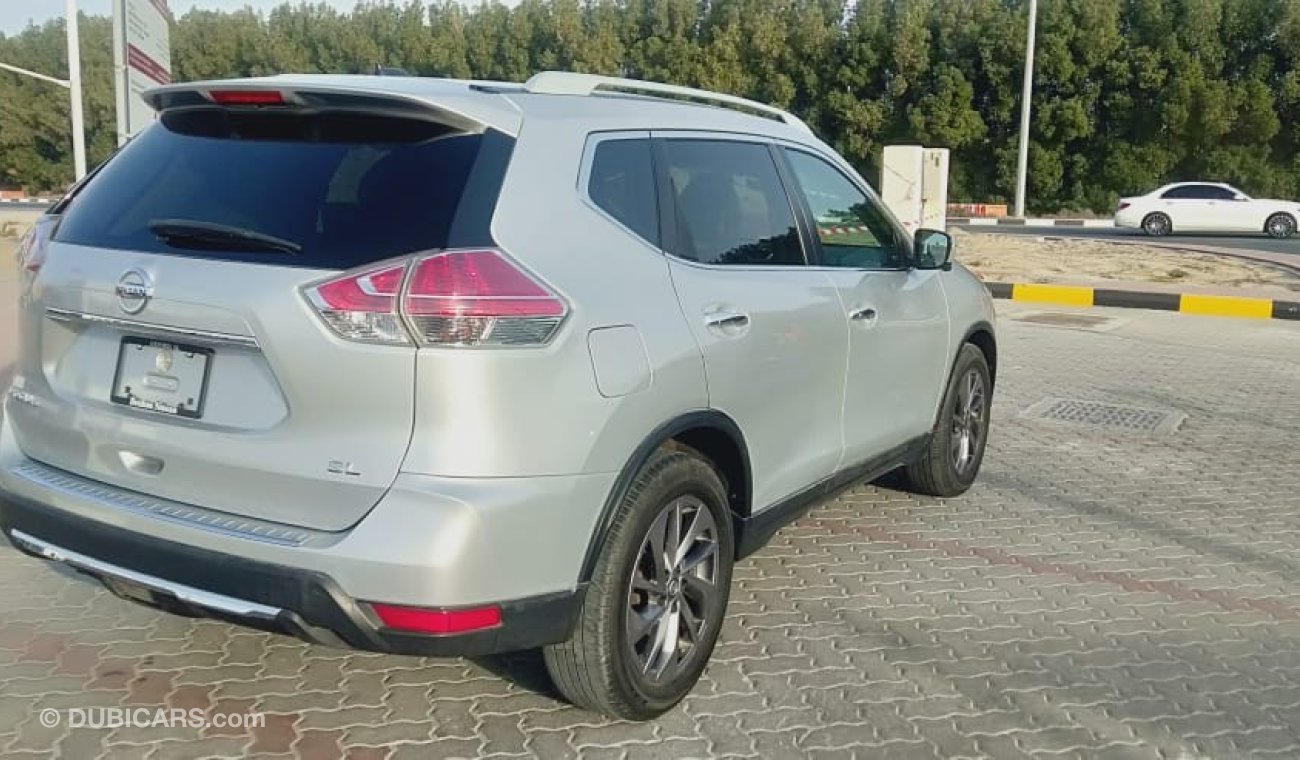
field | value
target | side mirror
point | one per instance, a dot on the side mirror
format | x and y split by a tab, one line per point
933	250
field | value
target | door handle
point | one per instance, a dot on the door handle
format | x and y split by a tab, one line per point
726	319
865	314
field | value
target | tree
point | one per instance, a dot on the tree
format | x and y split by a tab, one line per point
1128	93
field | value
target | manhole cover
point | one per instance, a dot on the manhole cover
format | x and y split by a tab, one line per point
1128	418
1066	319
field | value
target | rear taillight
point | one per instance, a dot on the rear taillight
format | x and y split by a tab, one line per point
35	244
453	298
363	307
476	298
1123	205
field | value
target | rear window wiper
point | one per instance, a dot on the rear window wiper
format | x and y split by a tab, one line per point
186	233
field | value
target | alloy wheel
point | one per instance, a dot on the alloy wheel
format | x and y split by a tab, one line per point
673	593
1281	226
968	428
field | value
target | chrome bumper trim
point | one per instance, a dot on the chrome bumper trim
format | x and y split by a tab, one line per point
198	597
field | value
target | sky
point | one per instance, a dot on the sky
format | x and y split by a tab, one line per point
15	14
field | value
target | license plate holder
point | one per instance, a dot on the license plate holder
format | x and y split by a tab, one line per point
161	376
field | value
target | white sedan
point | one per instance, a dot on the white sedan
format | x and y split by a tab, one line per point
1206	207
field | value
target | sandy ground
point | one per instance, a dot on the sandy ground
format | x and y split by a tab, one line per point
1012	258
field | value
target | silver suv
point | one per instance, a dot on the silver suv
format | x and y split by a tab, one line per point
453	368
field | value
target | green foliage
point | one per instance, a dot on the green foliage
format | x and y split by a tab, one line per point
1128	93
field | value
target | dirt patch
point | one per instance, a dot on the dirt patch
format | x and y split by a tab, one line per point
14	222
1013	258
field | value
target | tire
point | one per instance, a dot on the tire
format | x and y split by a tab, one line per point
942	470
599	668
1157	225
1280	226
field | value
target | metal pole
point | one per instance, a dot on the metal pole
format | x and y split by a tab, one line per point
1022	165
19	70
121	86
74	87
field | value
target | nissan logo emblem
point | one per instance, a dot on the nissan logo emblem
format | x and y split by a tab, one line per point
134	291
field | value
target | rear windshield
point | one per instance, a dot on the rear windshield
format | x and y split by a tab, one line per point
343	189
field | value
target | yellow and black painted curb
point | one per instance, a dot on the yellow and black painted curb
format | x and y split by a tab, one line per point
1187	303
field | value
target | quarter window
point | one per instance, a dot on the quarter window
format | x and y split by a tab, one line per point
622	184
854	228
731	207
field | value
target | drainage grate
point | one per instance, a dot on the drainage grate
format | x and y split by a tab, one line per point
1127	418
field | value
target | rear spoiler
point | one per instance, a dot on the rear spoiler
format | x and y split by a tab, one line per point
451	106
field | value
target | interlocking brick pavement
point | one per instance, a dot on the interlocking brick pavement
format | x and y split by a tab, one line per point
1097	594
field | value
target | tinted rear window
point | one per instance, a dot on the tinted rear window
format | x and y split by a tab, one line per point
348	189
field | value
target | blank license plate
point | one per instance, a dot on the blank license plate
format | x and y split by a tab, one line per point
162	377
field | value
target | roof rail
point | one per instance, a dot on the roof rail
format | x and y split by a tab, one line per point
568	83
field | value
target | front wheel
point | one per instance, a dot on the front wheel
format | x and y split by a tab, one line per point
655	604
956	448
1280	226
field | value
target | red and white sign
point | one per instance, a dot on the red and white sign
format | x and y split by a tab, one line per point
143	54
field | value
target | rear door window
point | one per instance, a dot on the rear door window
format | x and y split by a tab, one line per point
729	203
1192	193
342	189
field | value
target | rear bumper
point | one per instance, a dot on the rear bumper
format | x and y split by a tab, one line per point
1128	219
440	543
309	605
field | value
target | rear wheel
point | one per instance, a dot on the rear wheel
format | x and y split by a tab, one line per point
956	449
1157	225
1280	226
658	595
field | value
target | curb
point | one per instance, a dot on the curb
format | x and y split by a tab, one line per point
1009	221
1186	303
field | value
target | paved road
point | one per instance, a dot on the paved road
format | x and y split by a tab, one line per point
1248	242
1102	592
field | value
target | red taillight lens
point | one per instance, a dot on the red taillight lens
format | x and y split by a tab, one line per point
422	620
1123	205
473	298
454	298
35	244
363	307
247	97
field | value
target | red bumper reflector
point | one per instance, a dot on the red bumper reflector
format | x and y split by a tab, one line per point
247	97
422	620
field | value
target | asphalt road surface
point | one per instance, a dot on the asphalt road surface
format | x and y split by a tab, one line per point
1106	589
1242	242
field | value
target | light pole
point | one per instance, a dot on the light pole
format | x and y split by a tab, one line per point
1022	164
73	85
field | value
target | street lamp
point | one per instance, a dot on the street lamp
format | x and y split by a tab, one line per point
1022	164
73	85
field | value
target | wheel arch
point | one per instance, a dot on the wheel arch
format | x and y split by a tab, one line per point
981	336
708	431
